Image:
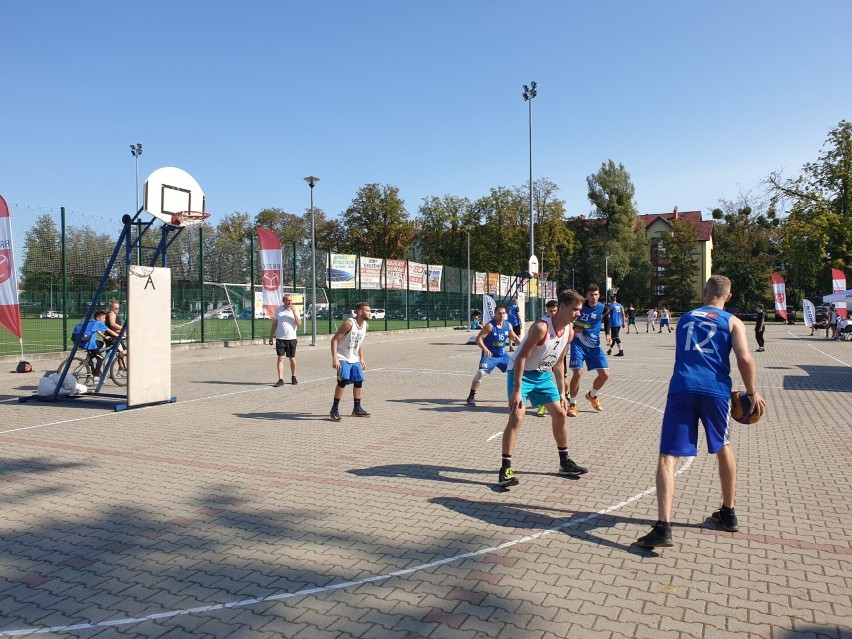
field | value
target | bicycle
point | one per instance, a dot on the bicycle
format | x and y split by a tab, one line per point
83	368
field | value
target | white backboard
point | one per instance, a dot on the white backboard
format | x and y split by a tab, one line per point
170	190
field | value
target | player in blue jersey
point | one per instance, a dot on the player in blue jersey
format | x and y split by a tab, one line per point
586	349
616	322
513	313
700	389
492	341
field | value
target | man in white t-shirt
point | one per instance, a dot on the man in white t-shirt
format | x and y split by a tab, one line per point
285	321
651	324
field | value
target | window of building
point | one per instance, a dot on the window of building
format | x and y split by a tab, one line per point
660	290
660	271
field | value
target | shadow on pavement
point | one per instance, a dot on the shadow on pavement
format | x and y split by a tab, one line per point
835	379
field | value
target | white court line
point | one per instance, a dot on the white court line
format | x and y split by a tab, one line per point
495	436
141	408
839	361
345	584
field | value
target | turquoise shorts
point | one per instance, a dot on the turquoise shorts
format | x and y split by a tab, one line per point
537	386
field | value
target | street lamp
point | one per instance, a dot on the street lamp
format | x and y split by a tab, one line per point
467	310
136	151
529	93
311	180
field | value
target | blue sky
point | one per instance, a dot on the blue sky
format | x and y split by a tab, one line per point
697	100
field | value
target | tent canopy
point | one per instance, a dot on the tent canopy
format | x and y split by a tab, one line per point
838	298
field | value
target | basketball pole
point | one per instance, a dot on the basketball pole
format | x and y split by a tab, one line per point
311	180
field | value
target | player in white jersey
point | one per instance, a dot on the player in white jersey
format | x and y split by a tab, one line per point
347	358
537	372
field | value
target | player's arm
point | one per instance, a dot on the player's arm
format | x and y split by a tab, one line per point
745	363
537	332
480	339
342	332
361	356
272	330
296	317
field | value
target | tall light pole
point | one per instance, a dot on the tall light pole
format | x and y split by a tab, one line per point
467	310
312	181
136	151
529	93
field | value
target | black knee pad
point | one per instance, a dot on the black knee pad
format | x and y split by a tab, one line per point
357	384
342	383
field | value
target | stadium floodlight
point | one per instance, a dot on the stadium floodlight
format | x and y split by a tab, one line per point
312	181
529	93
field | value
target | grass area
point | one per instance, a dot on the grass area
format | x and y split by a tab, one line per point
45	335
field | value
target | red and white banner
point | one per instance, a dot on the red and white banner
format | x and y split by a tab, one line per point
838	285
270	269
778	292
10	311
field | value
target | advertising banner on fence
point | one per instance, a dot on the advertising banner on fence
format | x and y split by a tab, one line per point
504	285
479	283
371	272
270	269
341	271
395	272
416	276
492	283
435	273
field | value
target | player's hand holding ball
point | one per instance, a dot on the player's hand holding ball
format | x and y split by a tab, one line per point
745	408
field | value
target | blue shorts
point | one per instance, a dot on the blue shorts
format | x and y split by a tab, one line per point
593	357
488	364
679	435
537	386
664	322
350	373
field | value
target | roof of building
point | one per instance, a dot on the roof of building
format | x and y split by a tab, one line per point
703	228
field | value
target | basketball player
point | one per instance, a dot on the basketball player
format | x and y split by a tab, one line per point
586	348
550	309
700	388
492	340
285	322
347	358
536	372
616	322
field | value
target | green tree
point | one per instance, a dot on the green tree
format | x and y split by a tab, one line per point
554	239
500	240
682	266
615	232
746	249
377	223
42	264
442	225
820	198
287	226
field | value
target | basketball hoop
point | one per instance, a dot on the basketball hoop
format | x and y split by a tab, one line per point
188	218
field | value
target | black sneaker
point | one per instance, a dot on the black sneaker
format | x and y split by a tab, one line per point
359	412
727	519
609	352
660	535
619	354
294	381
470	402
570	468
334	414
507	477
280	382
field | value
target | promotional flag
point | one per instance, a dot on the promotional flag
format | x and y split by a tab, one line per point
10	311
779	295
488	306
809	313
838	285
270	269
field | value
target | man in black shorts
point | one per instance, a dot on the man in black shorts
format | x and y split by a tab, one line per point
285	322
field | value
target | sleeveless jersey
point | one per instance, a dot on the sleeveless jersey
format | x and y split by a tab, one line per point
348	347
616	315
702	359
545	354
513	314
588	325
497	339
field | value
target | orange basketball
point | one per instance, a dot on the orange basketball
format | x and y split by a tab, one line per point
740	406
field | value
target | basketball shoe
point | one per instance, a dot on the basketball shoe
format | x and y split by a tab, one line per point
471	402
727	519
280	382
569	467
660	535
507	477
541	411
334	414
595	402
359	412
572	410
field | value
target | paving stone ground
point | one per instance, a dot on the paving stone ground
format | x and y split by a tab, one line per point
243	511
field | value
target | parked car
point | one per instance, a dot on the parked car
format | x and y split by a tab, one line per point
221	314
746	316
791	316
398	314
821	314
244	315
52	315
377	313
